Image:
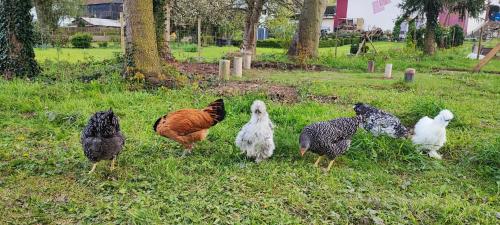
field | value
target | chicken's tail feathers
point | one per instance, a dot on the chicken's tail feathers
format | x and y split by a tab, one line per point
155	126
216	111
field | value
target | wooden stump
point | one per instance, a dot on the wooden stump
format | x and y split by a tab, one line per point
237	67
409	74
224	69
388	71
247	61
371	66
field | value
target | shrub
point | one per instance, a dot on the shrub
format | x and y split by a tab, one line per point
103	44
190	48
59	40
426	106
81	40
270	43
457	35
236	43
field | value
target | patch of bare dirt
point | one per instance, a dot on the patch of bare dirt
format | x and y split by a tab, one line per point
323	98
275	92
283	94
289	66
212	70
203	69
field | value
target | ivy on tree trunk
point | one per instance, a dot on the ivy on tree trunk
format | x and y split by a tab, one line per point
162	14
17	57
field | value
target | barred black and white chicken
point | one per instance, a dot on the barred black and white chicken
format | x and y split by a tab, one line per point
379	122
102	138
331	138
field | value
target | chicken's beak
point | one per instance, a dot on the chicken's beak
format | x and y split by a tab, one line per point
257	111
302	151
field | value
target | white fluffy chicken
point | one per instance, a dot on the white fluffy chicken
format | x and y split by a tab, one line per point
256	137
430	134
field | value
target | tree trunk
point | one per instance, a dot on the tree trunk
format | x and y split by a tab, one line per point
165	48
251	22
430	33
17	57
140	35
46	19
306	41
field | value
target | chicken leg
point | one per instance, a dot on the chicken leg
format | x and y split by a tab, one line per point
113	163
93	168
330	165
187	150
316	164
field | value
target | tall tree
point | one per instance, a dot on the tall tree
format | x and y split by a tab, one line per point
306	40
253	12
431	10
16	39
140	35
162	15
50	11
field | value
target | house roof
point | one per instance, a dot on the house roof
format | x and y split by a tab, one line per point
97	2
330	10
101	22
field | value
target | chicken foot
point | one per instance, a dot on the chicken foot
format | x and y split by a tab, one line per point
94	165
317	161
112	167
330	165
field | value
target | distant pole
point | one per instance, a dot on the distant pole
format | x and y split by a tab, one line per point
247	61
409	74
224	69
199	38
388	71
237	66
122	32
336	43
371	66
480	42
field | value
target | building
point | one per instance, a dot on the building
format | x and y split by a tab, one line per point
374	13
327	24
95	22
104	9
383	13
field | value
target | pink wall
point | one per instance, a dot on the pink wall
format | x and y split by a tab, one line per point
341	13
451	19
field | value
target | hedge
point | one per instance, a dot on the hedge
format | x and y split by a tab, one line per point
81	40
275	43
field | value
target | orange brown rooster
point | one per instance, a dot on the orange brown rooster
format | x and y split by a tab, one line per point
188	126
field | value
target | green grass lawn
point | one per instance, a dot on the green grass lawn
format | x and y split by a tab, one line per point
44	180
73	55
387	52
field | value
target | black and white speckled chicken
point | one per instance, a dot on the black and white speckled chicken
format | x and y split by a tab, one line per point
379	122
102	138
331	138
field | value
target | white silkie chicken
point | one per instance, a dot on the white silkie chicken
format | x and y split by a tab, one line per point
256	137
430	134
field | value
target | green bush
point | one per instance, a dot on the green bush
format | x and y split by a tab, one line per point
103	44
81	40
270	43
236	43
278	43
457	36
190	48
